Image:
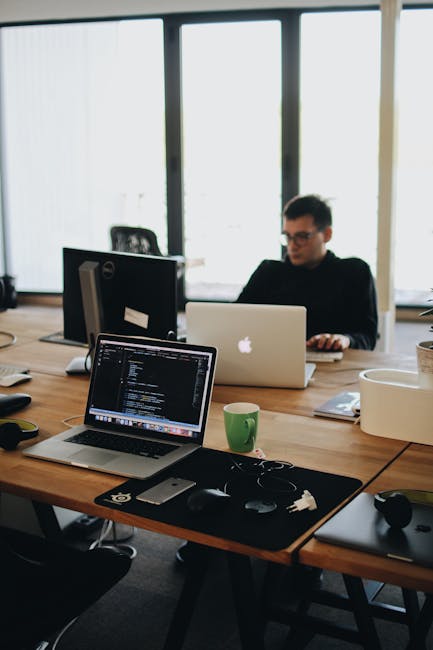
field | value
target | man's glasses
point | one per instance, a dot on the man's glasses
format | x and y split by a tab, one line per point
299	238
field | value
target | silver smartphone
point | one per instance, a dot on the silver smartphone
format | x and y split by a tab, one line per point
165	491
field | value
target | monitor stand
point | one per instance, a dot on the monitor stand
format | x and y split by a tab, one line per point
57	337
93	316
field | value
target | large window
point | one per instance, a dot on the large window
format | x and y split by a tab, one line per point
414	233
340	71
83	123
231	108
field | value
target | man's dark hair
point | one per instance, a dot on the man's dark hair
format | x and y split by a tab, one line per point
312	204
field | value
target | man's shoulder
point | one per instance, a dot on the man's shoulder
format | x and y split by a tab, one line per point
261	285
355	262
350	263
271	266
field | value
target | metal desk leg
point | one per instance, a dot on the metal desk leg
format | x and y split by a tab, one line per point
47	520
418	635
187	599
411	605
250	622
362	613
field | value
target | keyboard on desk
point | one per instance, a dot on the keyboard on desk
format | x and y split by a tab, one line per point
321	356
6	370
129	445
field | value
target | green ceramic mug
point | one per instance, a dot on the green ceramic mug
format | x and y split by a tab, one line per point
241	421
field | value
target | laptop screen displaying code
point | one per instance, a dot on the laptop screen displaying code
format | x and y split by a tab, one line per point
150	387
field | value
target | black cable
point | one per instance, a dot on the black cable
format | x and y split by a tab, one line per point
86	361
92	345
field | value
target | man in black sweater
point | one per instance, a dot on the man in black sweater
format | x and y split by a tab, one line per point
339	294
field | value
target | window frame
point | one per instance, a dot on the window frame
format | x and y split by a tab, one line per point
290	19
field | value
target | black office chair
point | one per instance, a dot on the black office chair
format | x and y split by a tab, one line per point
45	586
131	239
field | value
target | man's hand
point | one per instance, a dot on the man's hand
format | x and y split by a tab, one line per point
329	342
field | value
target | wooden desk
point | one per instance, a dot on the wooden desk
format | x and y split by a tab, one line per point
287	431
343	450
328	379
294	437
412	470
291	434
29	322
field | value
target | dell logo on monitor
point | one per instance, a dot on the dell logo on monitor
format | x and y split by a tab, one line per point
108	270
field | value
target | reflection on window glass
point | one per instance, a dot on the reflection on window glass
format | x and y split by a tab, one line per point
84	140
231	85
414	234
340	68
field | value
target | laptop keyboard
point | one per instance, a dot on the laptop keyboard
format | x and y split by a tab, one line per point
136	446
321	356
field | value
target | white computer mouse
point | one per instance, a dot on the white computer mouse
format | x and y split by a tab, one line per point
17	378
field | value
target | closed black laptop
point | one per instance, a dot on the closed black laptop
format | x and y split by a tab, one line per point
360	526
147	408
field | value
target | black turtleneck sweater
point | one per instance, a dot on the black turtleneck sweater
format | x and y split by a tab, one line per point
339	295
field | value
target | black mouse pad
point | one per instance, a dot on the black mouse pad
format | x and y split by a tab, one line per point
246	479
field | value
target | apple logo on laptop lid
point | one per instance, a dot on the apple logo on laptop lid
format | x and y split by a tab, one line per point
244	345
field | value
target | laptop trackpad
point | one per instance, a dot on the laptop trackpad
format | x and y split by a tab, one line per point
92	457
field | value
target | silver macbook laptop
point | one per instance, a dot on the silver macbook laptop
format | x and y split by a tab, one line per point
258	345
147	408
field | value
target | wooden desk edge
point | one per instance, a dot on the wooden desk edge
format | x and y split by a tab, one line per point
373	567
88	506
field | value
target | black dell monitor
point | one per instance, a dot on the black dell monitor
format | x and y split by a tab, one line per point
134	294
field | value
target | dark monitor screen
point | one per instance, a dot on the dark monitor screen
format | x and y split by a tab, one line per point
138	293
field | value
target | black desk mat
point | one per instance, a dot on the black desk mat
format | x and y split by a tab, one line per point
238	475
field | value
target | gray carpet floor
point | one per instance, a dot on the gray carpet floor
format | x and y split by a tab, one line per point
136	613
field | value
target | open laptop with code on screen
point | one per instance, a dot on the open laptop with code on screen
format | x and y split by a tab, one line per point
258	345
147	408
